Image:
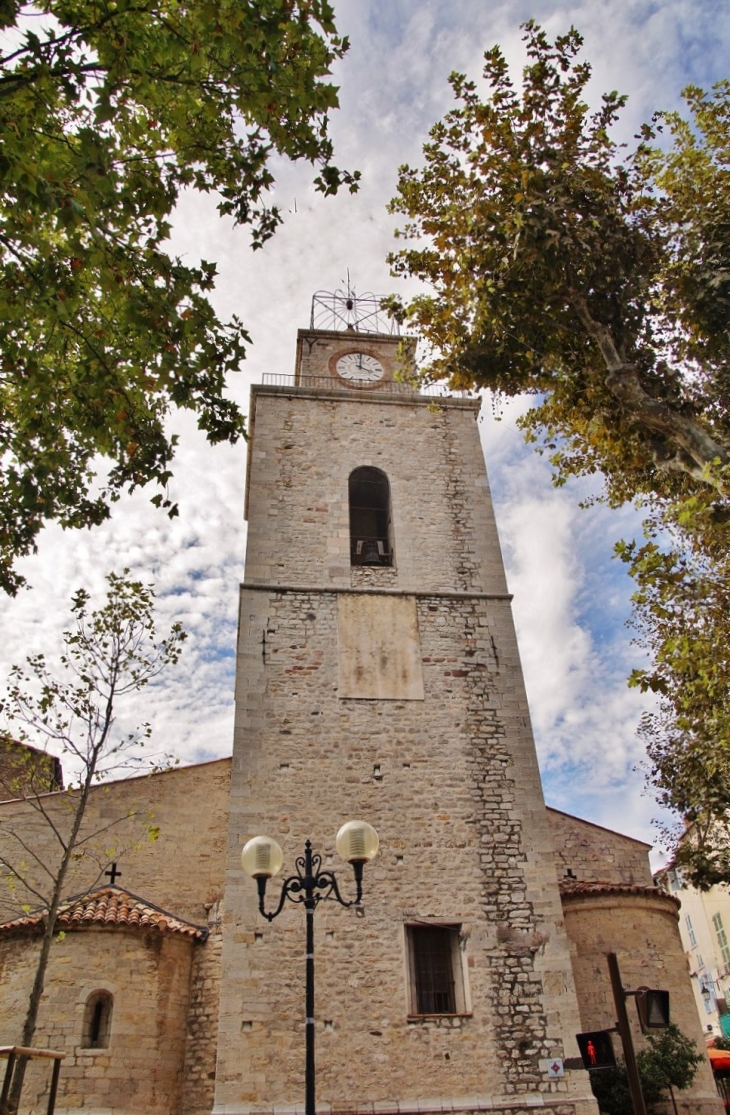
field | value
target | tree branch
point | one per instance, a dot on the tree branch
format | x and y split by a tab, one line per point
685	434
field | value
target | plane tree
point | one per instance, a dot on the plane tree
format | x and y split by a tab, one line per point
595	278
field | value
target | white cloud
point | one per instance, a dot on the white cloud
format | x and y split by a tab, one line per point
571	601
570	598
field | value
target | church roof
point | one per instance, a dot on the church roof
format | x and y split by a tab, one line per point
578	888
109	907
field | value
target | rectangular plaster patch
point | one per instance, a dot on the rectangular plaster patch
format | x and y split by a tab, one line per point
379	648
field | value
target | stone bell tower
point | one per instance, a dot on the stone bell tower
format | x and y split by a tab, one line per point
378	678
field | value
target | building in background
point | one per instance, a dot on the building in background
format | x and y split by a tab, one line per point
25	769
704	926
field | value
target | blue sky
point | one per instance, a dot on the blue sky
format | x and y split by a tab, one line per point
571	599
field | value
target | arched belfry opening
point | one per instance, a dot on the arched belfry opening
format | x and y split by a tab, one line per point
371	531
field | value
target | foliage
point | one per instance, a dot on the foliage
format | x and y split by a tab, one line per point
670	1060
611	1089
108	109
110	653
557	272
597	280
682	614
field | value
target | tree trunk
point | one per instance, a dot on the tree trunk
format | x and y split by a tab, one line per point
687	445
34	1001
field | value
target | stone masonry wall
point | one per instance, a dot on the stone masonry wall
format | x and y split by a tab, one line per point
464	839
318	350
25	769
189	806
450	782
303	452
202	1021
590	852
642	931
149	976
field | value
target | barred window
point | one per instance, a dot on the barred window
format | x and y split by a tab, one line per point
436	983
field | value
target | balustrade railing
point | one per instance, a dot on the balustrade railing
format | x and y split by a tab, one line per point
391	387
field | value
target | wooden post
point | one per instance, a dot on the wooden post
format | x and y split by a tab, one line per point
622	1023
13	1052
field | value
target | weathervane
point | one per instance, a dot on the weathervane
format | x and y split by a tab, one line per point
344	308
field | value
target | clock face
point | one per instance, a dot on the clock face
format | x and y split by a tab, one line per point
359	367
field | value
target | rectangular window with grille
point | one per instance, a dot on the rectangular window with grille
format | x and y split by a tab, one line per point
436	984
722	939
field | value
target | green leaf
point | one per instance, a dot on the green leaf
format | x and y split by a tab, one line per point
597	280
103	332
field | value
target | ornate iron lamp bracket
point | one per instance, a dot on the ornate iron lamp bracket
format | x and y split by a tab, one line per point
310	885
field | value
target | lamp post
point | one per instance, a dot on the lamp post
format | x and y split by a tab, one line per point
261	858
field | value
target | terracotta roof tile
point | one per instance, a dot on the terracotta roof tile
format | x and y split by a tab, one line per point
110	907
576	888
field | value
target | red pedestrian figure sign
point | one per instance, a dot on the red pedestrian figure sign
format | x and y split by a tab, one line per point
596	1049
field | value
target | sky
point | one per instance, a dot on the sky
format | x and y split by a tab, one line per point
571	598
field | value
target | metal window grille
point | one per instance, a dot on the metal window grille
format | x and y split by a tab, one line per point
433	968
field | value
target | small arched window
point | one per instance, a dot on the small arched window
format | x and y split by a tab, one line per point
371	541
98	1020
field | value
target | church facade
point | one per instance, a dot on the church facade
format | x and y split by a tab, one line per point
378	678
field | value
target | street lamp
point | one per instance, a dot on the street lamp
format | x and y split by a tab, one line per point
711	989
261	858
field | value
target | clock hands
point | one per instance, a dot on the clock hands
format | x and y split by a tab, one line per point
360	367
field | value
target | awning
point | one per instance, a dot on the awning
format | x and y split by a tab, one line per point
719	1059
